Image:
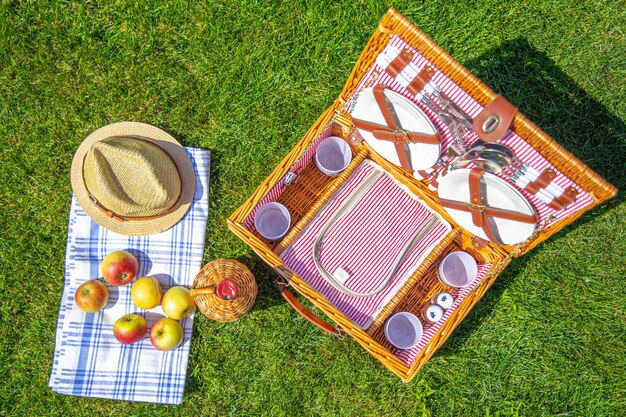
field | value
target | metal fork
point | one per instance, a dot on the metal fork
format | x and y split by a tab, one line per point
449	120
451	107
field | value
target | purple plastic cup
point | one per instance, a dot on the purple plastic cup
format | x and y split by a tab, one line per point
403	330
332	156
272	221
458	269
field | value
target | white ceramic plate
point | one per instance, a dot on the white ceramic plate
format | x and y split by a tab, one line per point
499	194
411	118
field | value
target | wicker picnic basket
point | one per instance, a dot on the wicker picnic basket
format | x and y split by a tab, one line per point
313	190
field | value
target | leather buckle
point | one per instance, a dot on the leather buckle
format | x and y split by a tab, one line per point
403	135
340	333
281	282
476	207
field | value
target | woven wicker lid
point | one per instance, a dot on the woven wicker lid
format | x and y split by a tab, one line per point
216	308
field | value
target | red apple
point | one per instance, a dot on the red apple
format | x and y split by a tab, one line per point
177	303
166	334
130	328
119	268
91	296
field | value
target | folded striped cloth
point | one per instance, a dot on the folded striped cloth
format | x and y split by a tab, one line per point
366	242
88	360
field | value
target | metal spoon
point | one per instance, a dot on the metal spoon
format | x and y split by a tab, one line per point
464	160
486	164
519	168
491	161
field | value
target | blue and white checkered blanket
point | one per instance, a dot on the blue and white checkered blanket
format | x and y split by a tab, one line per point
88	360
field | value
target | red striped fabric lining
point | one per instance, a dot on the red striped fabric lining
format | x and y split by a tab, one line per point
430	329
279	187
365	242
525	152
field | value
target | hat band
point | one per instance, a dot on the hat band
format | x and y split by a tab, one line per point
121	218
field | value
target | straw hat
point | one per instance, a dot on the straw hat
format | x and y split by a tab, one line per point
133	178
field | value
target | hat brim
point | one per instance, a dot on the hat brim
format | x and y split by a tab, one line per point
135	227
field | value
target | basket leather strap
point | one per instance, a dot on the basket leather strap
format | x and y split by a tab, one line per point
479	217
393	132
542	181
422	78
564	199
384	133
400	62
397	65
306	313
481	212
490	211
392	121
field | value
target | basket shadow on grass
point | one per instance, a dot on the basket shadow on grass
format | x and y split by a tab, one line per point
554	102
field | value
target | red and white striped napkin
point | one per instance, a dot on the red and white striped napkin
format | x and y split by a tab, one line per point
365	243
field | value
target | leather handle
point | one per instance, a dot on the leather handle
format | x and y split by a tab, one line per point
306	313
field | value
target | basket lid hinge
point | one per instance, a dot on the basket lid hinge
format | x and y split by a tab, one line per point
340	333
525	246
281	282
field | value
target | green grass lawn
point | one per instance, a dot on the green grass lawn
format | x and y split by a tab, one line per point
246	81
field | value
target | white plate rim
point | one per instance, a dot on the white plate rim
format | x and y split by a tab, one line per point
519	201
415	148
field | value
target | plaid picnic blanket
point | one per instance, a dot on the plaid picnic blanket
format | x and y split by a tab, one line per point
88	360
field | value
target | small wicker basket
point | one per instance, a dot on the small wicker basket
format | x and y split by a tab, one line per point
216	308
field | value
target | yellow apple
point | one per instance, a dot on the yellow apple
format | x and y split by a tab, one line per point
177	303
146	292
166	334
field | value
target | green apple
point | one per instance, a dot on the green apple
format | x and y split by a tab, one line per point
130	328
177	303
91	296
146	292
119	268
166	334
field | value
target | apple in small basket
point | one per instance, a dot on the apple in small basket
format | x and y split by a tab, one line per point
130	328
166	334
119	268
91	296
178	303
